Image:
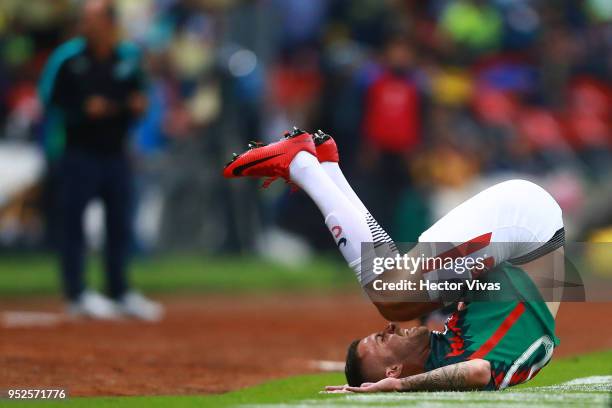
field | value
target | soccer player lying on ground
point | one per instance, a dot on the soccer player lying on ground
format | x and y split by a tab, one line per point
485	345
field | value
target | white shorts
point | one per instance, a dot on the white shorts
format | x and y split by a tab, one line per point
518	213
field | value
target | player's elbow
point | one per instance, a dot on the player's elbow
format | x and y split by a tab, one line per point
480	373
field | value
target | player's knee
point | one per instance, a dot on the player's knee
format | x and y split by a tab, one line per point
529	189
541	203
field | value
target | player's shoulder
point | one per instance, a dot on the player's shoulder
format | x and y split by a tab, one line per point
58	59
67	51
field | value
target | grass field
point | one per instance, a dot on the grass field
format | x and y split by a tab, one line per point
582	381
558	384
22	275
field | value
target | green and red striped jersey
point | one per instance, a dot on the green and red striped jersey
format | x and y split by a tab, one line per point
516	336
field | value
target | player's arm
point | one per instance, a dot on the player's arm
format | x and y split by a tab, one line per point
401	306
76	105
137	102
465	376
57	89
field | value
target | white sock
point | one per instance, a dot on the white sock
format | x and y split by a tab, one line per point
335	173
348	225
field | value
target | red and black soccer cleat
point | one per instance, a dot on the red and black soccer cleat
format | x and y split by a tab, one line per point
327	151
270	160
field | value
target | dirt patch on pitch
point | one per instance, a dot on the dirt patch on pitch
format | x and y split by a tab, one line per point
210	344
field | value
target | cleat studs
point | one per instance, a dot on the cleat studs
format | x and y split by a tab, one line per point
295	132
253	144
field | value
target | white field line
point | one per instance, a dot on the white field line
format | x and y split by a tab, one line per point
20	319
581	392
596	379
327	365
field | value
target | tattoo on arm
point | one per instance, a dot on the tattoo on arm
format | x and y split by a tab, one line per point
450	378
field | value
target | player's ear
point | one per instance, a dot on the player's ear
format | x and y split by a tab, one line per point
394	371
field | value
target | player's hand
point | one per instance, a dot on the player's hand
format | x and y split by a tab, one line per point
97	107
137	103
336	389
389	384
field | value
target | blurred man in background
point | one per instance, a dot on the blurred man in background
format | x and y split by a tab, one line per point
391	123
95	83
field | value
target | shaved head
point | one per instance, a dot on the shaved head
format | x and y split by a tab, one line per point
98	21
392	352
98	9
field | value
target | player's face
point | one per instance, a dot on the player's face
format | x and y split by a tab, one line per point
96	19
393	346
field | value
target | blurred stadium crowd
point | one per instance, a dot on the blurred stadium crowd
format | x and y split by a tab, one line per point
428	100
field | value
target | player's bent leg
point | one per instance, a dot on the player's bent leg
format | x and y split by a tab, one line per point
517	213
350	225
357	236
327	153
514	221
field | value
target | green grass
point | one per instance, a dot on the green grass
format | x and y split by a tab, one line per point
38	275
304	391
